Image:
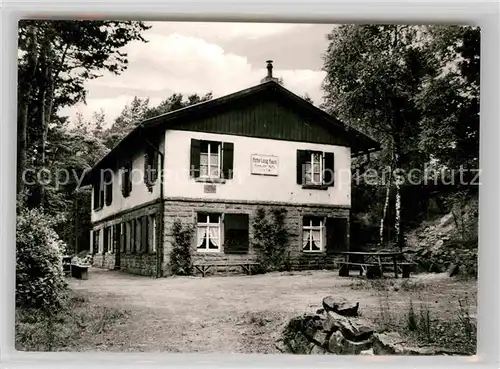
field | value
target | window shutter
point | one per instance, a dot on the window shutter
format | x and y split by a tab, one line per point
123	236
115	237
301	159
329	177
138	234
146	169
236	233
125	181
154	174
106	240
132	236
336	235
227	159
109	188
194	166
144	234
101	194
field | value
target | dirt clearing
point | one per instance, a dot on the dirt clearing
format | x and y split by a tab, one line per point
244	314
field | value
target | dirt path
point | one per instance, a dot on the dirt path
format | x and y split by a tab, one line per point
236	314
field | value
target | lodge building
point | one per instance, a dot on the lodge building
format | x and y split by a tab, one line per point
212	165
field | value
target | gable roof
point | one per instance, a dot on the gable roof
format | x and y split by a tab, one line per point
358	142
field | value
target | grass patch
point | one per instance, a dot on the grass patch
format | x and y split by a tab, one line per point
423	327
389	284
59	331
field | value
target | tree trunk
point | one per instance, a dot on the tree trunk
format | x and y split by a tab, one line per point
24	94
397	222
22	124
386	206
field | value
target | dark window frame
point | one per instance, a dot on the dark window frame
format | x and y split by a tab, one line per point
225	160
327	169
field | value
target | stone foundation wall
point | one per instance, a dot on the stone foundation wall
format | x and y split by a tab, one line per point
106	261
135	263
142	264
186	210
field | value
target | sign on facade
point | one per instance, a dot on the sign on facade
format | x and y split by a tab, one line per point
264	165
209	188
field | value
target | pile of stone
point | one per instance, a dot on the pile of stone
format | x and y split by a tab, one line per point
338	329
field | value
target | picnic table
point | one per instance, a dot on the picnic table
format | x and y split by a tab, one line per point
373	263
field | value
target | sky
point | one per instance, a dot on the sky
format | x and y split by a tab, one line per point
190	57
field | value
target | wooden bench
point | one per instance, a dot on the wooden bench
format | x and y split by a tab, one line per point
375	269
204	268
79	271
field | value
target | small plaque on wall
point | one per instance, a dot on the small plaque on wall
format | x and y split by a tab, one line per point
209	188
266	165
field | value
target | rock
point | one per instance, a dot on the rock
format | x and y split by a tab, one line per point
319	337
438	245
354	329
347	309
367	352
317	350
329	303
320	311
341	307
453	270
339	345
389	343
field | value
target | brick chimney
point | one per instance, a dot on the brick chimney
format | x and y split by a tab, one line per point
269	76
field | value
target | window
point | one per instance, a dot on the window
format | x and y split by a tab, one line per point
210	163
127	179
95	243
138	235
108	183
108	240
236	235
150	167
131	241
211	160
98	195
312	234
209	233
123	236
116	237
152	233
315	168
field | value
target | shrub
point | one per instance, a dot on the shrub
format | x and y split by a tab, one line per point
270	238
40	282
180	256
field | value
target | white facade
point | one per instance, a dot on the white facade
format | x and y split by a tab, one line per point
246	186
139	195
279	185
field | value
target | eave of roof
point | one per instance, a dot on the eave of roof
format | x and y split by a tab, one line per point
358	139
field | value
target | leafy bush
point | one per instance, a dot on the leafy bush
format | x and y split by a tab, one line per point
180	256
270	238
40	282
80	323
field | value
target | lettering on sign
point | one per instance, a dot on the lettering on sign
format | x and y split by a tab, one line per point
266	165
209	188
